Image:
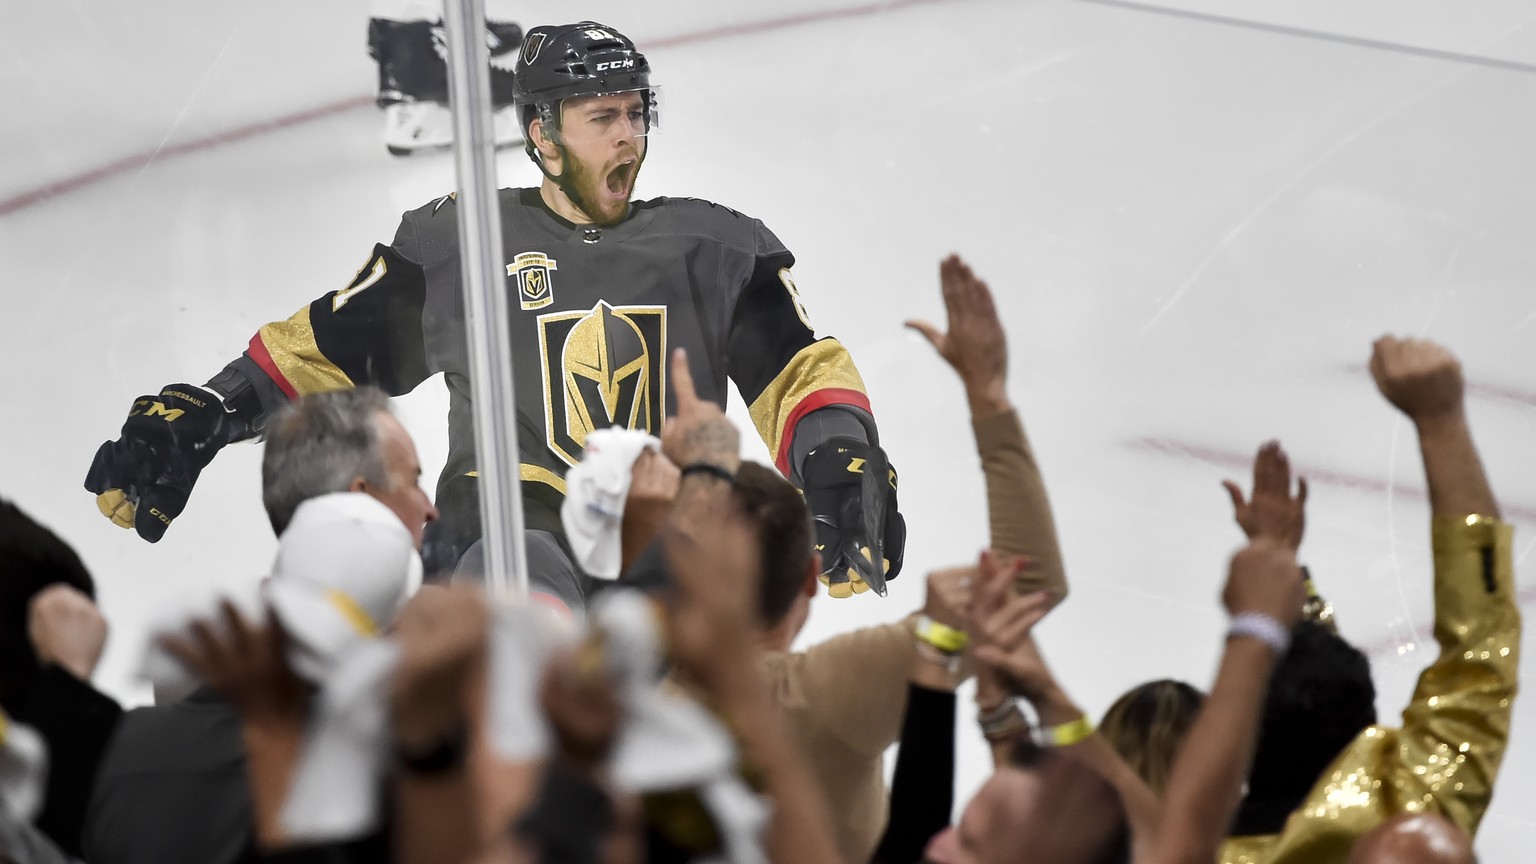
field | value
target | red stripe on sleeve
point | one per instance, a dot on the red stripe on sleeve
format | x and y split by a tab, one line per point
813	401
263	358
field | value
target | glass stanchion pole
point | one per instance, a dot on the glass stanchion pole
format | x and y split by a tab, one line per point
486	302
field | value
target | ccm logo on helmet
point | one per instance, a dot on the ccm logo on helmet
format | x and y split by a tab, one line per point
628	63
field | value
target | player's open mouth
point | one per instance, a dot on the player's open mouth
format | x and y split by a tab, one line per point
620	178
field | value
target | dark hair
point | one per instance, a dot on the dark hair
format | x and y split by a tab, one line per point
1147	724
31	559
1320	697
320	444
784	523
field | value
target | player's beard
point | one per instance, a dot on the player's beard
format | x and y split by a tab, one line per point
596	192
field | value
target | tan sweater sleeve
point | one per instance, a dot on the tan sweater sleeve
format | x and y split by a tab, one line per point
856	684
1017	506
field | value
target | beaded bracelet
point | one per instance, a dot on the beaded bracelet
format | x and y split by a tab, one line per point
1004	721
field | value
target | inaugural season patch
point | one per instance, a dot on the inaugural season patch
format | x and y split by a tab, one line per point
532	270
602	368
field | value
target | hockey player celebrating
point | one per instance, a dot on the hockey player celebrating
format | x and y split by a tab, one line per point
606	287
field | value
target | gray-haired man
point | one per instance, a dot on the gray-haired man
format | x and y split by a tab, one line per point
343	441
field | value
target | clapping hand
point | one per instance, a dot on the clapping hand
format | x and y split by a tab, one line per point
1002	626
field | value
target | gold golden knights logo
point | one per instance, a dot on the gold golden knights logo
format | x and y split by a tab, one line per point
532	270
602	368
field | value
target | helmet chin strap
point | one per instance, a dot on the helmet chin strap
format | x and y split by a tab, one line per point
563	180
550	129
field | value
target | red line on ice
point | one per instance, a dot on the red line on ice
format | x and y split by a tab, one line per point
66	185
140	160
1243	463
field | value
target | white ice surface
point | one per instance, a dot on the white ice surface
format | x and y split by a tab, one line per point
1194	230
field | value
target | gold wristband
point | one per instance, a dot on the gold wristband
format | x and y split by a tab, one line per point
941	636
1065	735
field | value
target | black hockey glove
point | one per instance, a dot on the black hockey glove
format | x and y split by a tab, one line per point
854	510
143	479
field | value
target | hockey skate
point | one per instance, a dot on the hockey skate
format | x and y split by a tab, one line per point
413	83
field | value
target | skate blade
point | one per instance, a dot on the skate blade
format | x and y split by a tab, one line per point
421	127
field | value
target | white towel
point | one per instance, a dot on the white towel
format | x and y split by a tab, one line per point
522	638
668	740
596	488
337	783
741	815
335	792
23	769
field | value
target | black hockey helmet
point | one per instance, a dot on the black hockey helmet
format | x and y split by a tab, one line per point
566	60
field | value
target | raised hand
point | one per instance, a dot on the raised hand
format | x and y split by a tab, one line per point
443	633
245	662
582	705
248	665
1265	578
949	595
653	487
66	628
1272	512
652	482
699	432
716	563
1422	379
974	344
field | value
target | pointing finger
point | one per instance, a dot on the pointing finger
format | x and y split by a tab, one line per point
682	382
